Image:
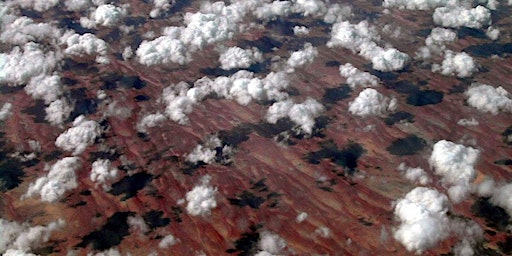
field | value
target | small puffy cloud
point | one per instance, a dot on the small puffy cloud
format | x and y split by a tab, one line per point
423	219
301	217
86	44
80	136
163	50
336	13
150	121
5	111
456	17
21	64
109	252
45	87
58	111
456	64
352	36
107	15
178	105
436	42
274	9
313	8
167	241
236	57
102	172
490	99
300	30
24	30
77	5
61	178
418	4
137	223
357	78
302	114
161	6
201	199
323	231
302	57
20	239
270	244
38	5
209	151
492	33
390	60
416	175
371	102
455	164
467	122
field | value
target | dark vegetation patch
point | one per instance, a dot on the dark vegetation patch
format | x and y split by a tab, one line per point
130	185
409	145
155	219
247	244
495	216
111	234
346	157
399	117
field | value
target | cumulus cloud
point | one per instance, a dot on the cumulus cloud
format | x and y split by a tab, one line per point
270	244
455	164
418	4
150	121
61	178
274	9
23	30
107	15
467	122
416	175
456	64
301	217
102	173
45	87
300	30
163	50
302	114
490	99
21	64
167	241
109	252
58	111
236	57
357	78
501	197
436	42
161	6
492	33
456	17
210	151
390	60
86	44
80	136
201	199
178	105
77	5
302	57
137	223
5	111
20	239
371	102
38	5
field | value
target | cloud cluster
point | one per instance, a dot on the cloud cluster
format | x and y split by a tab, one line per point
86	44
102	173
456	17
456	64
501	197
436	42
107	15
236	57
303	114
45	87
20	239
23	30
162	51
490	99
416	175
80	136
61	178
371	102
357	78
201	199
455	164
210	151
302	57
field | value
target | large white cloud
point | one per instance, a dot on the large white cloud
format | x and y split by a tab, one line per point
86	44
236	57
162	51
455	17
61	178
201	199
302	114
107	15
455	164
45	87
20	239
456	64
302	57
80	136
357	78
371	102
102	173
487	98
24	30
390	60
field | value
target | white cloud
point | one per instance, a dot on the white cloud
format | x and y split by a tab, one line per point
160	6
300	30
102	172
492	33
323	231
107	15
487	98
271	243
302	57
455	164
302	114
456	17
301	217
109	252
274	9
467	122
163	50
357	78
21	64
45	87
23	30
371	102
61	178
236	57
80	136
86	44
77	5
150	121
418	4
423	220
38	5
167	241
15	252
138	224
201	199
501	197
5	111
207	151
178	105
390	60
337	13
416	175
436	42
456	64
20	239
58	111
